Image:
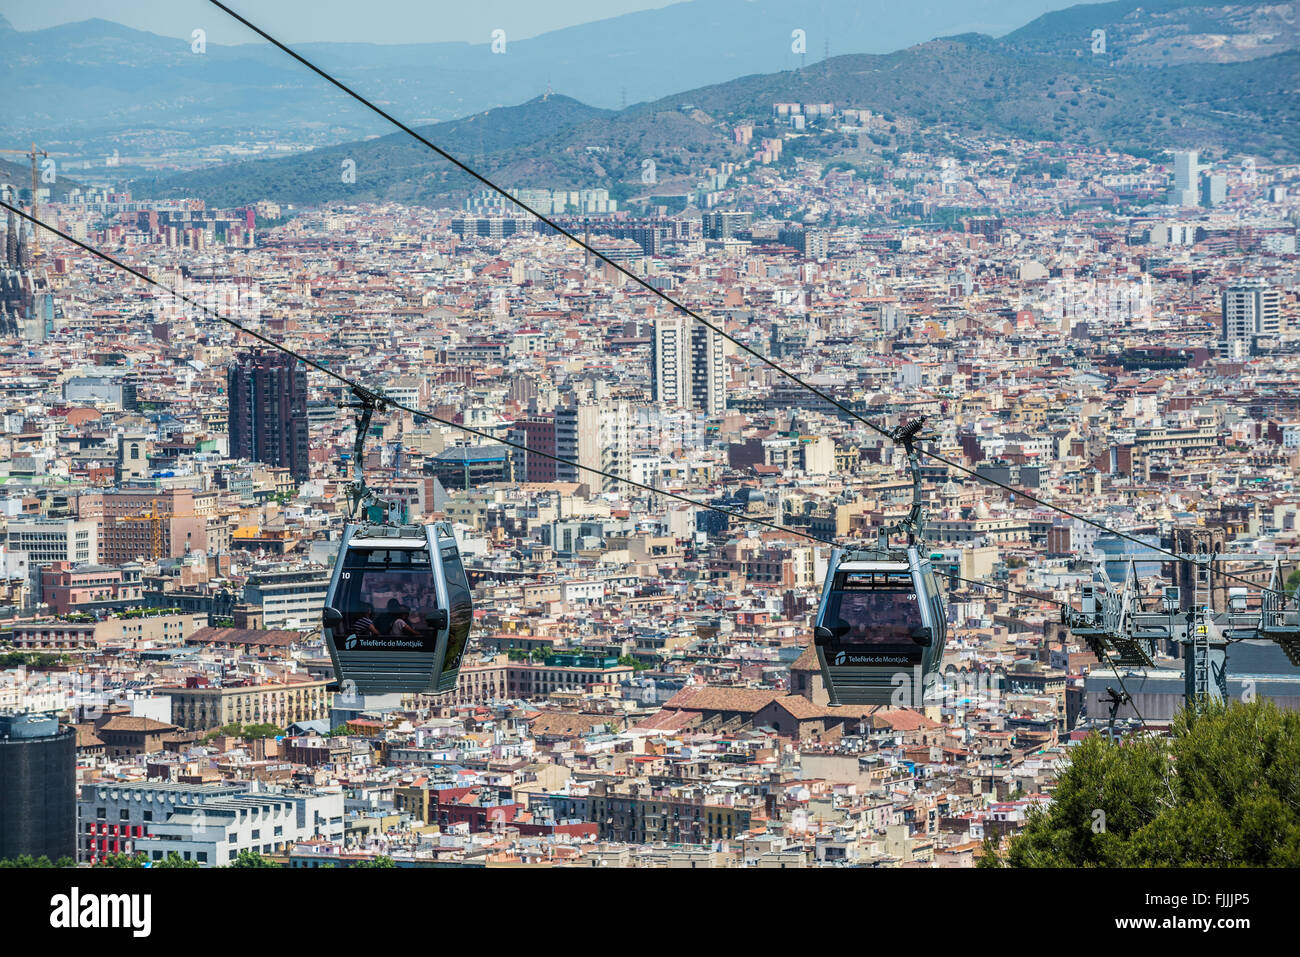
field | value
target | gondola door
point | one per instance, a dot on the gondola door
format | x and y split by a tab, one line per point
459	605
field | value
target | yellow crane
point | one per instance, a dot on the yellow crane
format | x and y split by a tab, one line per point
35	155
155	527
159	543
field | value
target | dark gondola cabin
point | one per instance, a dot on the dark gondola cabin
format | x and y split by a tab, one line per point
881	627
398	611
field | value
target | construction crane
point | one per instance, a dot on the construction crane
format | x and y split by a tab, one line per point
159	544
35	155
155	528
1119	631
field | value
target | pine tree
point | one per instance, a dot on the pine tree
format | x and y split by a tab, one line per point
1223	791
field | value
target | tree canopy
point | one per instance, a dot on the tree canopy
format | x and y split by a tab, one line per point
634	663
26	860
246	731
175	860
251	859
1223	791
121	859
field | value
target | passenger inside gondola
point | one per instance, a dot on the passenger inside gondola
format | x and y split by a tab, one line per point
399	617
364	623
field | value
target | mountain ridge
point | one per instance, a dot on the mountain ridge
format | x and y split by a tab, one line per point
1042	80
112	78
965	85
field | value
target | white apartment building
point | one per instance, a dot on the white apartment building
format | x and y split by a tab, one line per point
582	591
290	598
1249	309
214	832
688	366
113	816
595	435
1185	177
55	540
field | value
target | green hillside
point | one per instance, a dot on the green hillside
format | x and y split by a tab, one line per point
969	85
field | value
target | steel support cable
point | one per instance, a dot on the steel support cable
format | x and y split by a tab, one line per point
750	350
420	413
1129	697
338	377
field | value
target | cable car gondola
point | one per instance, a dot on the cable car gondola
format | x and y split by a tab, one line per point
881	624
398	610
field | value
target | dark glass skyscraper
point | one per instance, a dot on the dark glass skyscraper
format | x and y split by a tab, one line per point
38	787
268	411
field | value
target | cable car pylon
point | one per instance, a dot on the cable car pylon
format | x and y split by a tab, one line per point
1119	632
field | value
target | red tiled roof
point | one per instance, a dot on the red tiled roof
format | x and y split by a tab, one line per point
904	720
801	709
669	721
131	723
86	738
807	660
722	699
567	724
244	636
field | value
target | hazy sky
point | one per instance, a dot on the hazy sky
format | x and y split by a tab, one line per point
304	21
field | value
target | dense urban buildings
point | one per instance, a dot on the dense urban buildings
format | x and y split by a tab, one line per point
644	508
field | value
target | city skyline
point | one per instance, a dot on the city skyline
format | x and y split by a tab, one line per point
773	477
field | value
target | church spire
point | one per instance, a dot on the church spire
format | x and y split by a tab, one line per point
11	241
21	257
